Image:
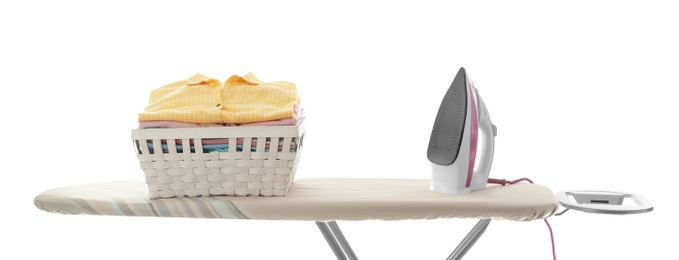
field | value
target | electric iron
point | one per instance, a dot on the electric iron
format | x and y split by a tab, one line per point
454	140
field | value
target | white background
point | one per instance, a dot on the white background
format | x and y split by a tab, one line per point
584	95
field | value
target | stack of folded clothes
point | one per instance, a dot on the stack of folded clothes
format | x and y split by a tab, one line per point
200	101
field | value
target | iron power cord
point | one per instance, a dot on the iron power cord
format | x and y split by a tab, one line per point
504	182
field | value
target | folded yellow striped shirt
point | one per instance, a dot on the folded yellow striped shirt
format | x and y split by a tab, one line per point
241	99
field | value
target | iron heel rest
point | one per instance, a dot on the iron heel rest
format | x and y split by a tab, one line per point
605	202
453	143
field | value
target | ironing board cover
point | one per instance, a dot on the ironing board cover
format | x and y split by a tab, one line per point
311	199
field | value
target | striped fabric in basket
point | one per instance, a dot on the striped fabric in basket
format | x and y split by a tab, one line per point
253	168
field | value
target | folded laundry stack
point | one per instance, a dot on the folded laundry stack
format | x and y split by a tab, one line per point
230	128
205	102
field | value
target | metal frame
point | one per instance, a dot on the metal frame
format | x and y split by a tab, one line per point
339	245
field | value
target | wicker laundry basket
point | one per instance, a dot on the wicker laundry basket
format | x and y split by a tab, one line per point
254	168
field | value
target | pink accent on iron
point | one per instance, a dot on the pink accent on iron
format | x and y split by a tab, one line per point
474	134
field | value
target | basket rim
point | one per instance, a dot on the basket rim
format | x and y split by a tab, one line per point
220	132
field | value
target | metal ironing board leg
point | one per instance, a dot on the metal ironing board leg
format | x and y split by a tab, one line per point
342	241
469	240
339	245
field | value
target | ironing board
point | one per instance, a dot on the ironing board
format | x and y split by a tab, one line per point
323	201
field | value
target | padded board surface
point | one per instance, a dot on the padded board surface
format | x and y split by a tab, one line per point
311	199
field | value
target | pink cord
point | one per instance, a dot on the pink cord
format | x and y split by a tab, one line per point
551	234
504	182
520	180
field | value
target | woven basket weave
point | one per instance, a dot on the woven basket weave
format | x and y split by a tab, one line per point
251	170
